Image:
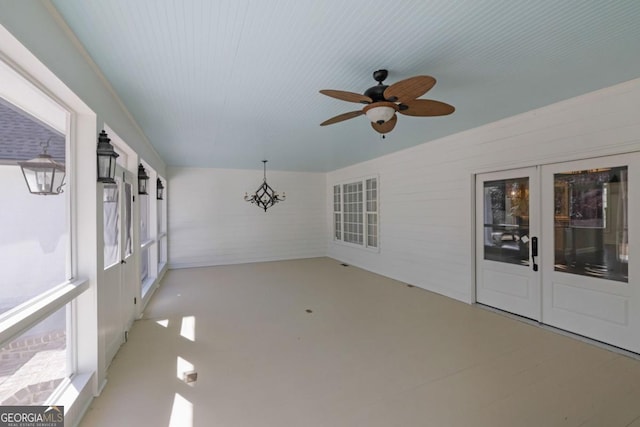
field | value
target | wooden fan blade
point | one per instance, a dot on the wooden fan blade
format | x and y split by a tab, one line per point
342	117
425	107
347	96
409	89
387	126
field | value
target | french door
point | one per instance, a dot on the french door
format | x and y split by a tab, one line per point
507	228
590	235
583	215
129	280
118	289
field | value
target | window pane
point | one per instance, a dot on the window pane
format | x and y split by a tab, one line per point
144	264
35	363
506	221
352	208
336	198
591	223
162	251
111	220
372	195
144	218
128	211
372	230
159	215
33	239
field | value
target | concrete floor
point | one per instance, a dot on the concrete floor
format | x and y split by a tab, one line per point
310	343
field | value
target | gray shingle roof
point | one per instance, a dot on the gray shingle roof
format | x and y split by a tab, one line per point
21	136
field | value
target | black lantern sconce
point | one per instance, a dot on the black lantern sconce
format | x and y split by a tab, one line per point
159	190
143	178
44	176
106	159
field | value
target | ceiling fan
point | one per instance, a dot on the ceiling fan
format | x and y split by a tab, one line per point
383	101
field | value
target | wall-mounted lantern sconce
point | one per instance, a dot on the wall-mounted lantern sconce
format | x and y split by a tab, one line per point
143	178
43	175
106	159
160	189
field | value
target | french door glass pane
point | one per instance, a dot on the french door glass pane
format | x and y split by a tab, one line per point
591	223
506	221
111	218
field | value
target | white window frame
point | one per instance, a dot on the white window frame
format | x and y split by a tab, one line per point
25	93
147	245
161	226
338	209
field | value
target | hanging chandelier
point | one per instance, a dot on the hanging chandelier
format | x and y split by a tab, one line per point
265	196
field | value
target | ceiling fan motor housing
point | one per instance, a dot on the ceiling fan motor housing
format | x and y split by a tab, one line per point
376	93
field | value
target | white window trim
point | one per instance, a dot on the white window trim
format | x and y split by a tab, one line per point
147	243
21	318
363	180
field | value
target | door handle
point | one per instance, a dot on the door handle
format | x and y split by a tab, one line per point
534	252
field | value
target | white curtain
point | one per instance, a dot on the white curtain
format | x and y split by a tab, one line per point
111	209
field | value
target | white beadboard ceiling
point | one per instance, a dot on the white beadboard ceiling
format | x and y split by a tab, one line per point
226	83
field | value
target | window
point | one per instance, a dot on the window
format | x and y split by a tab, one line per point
337	213
37	275
145	237
355	212
128	219
372	212
153	233
162	228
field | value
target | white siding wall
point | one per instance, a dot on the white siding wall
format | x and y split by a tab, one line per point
426	192
211	224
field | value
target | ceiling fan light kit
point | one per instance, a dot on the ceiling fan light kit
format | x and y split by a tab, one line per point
383	101
380	112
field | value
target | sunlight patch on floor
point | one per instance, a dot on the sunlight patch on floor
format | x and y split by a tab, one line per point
183	366
188	328
181	412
